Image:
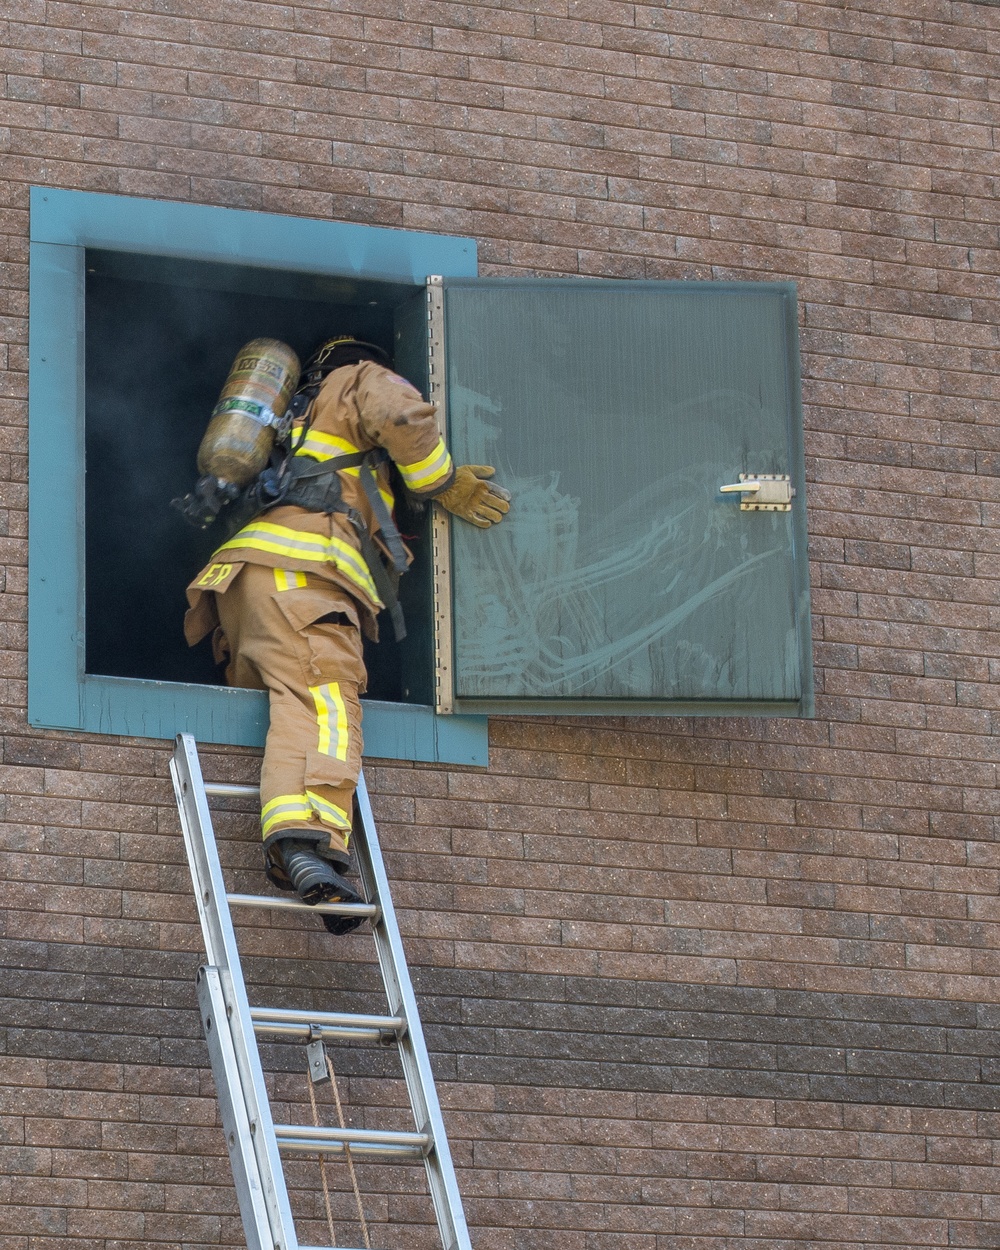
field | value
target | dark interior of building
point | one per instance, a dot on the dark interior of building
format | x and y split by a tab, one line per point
160	337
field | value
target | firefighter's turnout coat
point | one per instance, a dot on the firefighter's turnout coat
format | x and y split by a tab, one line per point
288	595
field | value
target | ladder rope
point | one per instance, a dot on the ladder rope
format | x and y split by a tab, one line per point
322	1162
347	1152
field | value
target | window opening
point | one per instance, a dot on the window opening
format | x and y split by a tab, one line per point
161	334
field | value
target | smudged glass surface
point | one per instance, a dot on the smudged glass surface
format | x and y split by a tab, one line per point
614	412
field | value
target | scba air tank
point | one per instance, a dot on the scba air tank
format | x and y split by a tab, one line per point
256	396
243	426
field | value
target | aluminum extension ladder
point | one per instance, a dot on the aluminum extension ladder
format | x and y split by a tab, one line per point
255	1142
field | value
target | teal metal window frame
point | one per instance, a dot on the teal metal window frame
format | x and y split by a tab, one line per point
61	694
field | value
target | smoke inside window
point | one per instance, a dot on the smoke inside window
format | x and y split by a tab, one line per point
161	335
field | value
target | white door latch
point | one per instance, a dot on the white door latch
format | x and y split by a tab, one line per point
763	492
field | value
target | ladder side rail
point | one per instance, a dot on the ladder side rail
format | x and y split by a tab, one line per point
223	953
415	1059
203	858
235	1121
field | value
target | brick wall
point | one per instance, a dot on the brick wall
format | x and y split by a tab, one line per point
690	985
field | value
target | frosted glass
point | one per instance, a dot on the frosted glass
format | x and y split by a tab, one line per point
614	412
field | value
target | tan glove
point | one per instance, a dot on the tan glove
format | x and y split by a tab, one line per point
473	499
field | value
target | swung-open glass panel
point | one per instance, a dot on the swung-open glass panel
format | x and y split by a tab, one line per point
623	578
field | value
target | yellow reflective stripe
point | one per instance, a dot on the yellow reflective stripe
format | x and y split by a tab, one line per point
322	719
330	814
303	807
279	540
284	807
353	565
325	446
427	472
331	717
289	579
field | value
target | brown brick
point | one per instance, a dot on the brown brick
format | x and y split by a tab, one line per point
853	855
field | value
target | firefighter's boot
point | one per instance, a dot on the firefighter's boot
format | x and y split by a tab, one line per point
301	868
312	876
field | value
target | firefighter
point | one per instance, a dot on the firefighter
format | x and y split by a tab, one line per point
290	594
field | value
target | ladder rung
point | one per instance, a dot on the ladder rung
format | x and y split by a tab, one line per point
288	1023
308	1140
230	790
269	902
259	1150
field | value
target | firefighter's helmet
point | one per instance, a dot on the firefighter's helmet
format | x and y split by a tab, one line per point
342	349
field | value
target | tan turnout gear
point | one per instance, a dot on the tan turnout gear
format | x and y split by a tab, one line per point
288	595
296	636
359	408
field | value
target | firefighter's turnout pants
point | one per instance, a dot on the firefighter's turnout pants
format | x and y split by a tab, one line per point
297	637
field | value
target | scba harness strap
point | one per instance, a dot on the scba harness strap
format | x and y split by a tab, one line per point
312	484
